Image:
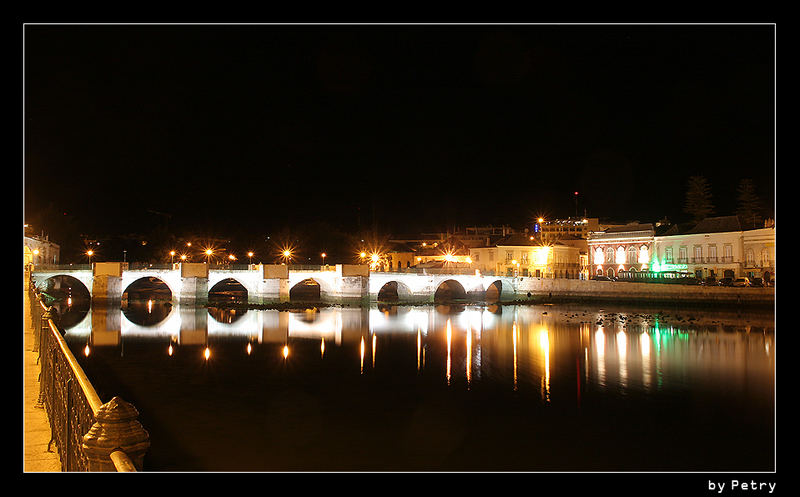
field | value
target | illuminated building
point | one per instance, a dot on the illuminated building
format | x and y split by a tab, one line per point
522	254
621	248
39	249
716	247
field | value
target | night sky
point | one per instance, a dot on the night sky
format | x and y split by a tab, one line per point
245	130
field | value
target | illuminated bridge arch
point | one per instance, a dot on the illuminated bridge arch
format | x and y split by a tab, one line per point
393	291
148	286
449	290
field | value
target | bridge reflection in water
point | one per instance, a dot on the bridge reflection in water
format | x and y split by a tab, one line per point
615	375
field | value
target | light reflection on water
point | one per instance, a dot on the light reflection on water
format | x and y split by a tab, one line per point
566	357
632	351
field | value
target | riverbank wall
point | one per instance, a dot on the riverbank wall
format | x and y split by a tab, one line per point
647	293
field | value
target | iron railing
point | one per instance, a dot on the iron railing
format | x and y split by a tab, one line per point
67	396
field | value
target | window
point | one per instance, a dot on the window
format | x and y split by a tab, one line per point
751	259
668	255
682	255
632	255
509	256
610	255
728	251
712	253
524	258
698	253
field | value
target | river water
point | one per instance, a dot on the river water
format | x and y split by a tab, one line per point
439	388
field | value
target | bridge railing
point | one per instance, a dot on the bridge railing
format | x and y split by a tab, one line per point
424	271
89	435
61	267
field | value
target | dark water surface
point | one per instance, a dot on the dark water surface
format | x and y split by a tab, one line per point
445	388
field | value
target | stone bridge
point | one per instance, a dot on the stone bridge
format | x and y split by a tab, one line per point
192	282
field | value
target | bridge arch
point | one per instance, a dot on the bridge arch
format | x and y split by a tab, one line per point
228	290
306	289
449	290
494	291
63	286
148	287
393	291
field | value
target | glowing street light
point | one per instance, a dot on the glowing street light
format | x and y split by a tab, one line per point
90	253
209	252
172	256
183	257
323	257
250	255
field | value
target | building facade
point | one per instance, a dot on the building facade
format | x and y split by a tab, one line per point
715	247
525	255
622	248
39	250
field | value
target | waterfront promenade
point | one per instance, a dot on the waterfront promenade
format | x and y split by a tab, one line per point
36	428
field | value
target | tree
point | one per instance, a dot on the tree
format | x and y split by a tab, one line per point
698	198
748	206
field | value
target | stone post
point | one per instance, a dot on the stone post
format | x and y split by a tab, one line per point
116	428
274	286
107	281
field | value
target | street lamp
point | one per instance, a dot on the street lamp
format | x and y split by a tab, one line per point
250	255
209	253
323	257
90	253
172	256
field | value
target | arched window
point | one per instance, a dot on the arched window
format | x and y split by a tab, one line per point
644	255
598	256
610	255
751	258
632	255
620	259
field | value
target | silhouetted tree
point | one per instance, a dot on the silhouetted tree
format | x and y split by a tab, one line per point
748	207
698	198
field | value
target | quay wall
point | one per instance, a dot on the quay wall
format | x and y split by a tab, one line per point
569	289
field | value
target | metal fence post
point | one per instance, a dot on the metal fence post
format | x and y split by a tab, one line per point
115	429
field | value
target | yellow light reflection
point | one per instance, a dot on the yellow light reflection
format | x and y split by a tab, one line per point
419	349
644	345
544	343
374	343
207	353
86	350
514	342
600	350
449	334
362	354
322	347
249	348
622	352
285	351
469	356
169	350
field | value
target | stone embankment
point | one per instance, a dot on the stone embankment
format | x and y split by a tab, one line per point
635	292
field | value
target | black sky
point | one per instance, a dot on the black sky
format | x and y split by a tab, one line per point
253	127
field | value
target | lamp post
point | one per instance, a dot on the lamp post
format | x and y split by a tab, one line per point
172	256
250	255
323	257
209	253
90	253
